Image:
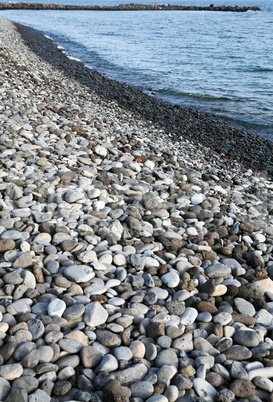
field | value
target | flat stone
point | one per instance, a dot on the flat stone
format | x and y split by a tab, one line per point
189	316
247	338
184	342
266	372
70	360
26	382
90	357
263	383
266	284
238	353
56	308
23	261
108	363
11	371
36	327
32	359
123	353
6	245
132	374
157	398
218	270
74	312
79	273
108	339
95	314
29	279
206	347
224	318
244	307
70	345
116	391
138	349
142	389
166	357
165	374
46	353
171	279
13	278
263	317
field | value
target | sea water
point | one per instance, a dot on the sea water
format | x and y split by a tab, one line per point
216	62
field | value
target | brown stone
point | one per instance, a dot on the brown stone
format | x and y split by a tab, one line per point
47	386
238	353
46	227
215	379
23	261
114	391
138	349
222	232
156	329
21	325
225	251
6	245
159	388
163	270
152	271
159	309
90	357
243	388
260	273
77	289
126	337
99	298
56	352
189	285
53	336
244	319
62	282
208	255
208	307
246	227
78	336
260	304
193	271
38	273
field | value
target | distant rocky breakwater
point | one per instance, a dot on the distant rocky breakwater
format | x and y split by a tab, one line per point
122	7
135	265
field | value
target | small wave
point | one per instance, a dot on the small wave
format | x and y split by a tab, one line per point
48	37
73	58
205	97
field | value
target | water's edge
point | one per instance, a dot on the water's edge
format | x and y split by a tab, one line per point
209	130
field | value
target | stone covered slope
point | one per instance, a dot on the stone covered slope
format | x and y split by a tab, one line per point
132	265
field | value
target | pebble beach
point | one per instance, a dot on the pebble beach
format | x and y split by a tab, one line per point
136	241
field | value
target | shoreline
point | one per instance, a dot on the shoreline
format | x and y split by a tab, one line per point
211	131
135	265
123	7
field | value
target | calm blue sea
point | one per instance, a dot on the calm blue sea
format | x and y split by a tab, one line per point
217	62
